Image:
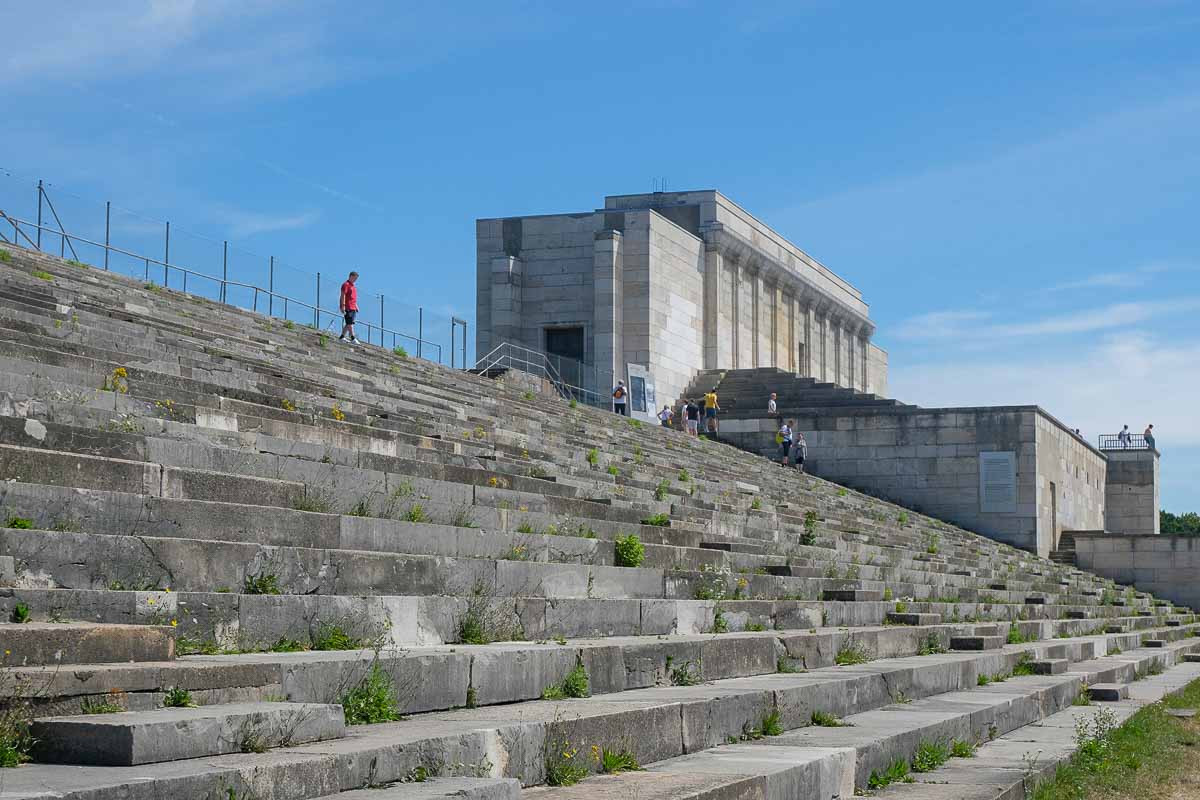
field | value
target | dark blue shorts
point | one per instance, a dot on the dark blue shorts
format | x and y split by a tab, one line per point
349	317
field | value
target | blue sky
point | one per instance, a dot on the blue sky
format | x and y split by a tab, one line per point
1013	186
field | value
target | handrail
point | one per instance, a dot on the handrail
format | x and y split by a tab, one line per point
510	355
224	283
1132	441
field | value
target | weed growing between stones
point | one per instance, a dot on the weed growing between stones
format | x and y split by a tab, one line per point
593	457
659	520
178	698
982	680
930	755
318	501
416	513
264	583
20	523
771	725
463	516
685	674
400	351
42	274
932	646
562	766
614	762
824	719
16	717
373	700
809	537
896	772
756	504
20	613
576	684
932	541
112	703
660	491
613	470
5	257
785	666
629	551
1024	666
852	653
960	748
1016	637
1084	696
485	619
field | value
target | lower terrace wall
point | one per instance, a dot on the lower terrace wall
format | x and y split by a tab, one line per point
930	460
1167	566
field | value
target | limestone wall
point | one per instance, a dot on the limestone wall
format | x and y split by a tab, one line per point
1132	494
1071	480
676	306
877	370
1164	565
929	459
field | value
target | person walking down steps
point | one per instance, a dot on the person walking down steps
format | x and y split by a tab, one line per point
620	396
784	438
348	305
799	447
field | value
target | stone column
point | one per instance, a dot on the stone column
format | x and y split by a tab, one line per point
507	280
793	359
863	347
714	265
807	364
755	318
607	266
735	309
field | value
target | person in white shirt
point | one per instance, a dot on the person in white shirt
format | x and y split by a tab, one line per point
771	407
665	416
620	394
785	441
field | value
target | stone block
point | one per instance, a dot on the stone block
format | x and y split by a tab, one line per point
173	734
48	643
976	643
1108	692
1049	666
896	618
1154	643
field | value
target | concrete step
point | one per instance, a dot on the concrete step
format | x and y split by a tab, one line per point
1109	692
46	643
173	734
420	787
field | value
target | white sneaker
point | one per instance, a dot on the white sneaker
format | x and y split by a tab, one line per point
352	340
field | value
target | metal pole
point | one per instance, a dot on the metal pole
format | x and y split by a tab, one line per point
107	220
271	288
167	256
317	307
452	343
224	268
420	328
464	358
381	320
146	275
39	229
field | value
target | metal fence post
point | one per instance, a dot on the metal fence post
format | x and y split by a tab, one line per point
317	307
107	240
39	223
452	343
167	257
224	269
381	320
464	358
420	328
271	287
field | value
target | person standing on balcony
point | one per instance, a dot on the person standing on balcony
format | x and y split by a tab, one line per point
348	305
1123	437
620	399
1149	436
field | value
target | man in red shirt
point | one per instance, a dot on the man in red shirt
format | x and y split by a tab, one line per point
348	305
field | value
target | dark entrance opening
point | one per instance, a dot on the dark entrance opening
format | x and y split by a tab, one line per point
564	346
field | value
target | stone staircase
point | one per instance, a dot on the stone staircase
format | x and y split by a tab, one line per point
744	392
249	561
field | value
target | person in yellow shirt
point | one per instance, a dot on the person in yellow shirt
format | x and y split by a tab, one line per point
711	407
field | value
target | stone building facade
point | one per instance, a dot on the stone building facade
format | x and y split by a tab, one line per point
674	282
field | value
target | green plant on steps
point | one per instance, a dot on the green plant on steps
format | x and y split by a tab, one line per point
824	719
896	772
178	698
614	762
961	748
372	700
576	685
593	457
629	551
264	583
756	504
851	654
400	351
930	755
684	477
613	470
660	491
659	520
20	523
20	613
771	725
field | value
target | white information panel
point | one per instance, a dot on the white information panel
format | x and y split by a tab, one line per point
998	483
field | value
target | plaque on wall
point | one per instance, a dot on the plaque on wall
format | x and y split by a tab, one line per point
641	393
998	482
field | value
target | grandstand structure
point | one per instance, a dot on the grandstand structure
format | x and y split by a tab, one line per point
243	560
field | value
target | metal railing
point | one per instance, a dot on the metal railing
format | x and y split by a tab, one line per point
223	284
508	355
1131	441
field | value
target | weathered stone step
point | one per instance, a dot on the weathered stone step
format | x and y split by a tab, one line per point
419	787
172	734
1109	692
41	643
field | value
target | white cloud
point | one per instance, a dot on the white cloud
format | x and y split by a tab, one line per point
963	327
249	223
1131	379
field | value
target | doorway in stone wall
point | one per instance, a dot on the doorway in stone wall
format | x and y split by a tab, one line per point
565	346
